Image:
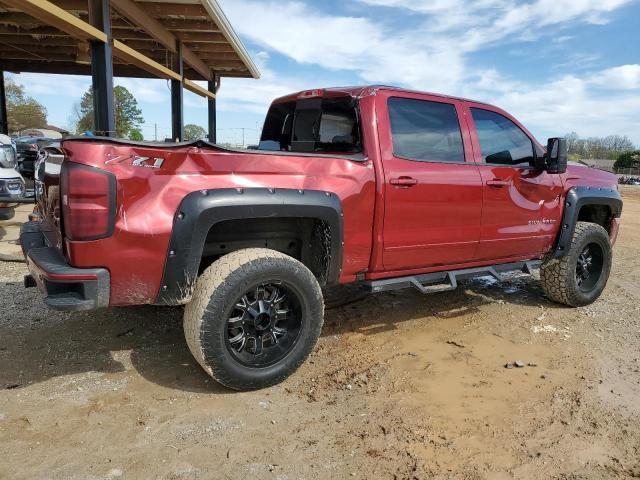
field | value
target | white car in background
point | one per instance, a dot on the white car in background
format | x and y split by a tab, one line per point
11	182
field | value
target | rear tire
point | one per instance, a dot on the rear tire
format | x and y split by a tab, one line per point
579	277
254	318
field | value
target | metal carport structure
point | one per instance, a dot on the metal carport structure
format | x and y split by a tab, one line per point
177	40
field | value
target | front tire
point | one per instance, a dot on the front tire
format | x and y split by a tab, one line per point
254	318
579	277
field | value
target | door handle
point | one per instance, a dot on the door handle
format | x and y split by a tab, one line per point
403	181
497	183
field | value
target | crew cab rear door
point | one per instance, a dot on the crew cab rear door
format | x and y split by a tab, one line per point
432	187
521	204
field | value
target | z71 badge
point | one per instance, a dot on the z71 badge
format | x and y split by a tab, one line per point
145	162
136	160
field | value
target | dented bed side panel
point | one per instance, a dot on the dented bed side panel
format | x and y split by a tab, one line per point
152	181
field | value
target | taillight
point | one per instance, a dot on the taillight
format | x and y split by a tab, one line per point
310	93
88	202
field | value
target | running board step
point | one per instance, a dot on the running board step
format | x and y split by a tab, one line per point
445	281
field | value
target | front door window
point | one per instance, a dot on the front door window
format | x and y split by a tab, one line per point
501	141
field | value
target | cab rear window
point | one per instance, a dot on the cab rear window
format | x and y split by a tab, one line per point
321	125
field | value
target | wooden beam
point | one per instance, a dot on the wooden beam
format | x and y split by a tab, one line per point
36	29
211	47
136	13
195	88
72	68
195	62
134	57
51	14
139	17
244	73
156	9
176	24
200	37
221	64
18	18
192	74
147	44
48	57
126	33
131	34
207	56
39	49
118	21
26	39
74	5
178	9
227	64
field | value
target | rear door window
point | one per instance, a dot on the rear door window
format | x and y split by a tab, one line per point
425	131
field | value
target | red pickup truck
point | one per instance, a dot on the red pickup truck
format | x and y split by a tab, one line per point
377	186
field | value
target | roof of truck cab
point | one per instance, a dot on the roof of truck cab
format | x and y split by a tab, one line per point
364	90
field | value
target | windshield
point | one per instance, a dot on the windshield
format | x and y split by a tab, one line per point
322	125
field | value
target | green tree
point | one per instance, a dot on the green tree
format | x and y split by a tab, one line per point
128	114
136	135
628	160
609	147
22	111
194	132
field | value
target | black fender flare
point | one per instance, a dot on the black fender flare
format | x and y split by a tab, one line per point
576	198
201	210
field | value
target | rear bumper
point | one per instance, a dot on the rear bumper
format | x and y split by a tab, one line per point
65	287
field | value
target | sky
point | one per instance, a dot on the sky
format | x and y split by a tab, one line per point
556	65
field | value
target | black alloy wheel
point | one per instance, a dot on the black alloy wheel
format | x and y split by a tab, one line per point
264	324
589	267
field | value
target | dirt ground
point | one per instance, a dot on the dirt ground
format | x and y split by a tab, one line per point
400	386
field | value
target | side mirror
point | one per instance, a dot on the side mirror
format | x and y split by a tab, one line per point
556	155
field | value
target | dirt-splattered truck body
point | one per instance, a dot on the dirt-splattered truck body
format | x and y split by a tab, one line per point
375	186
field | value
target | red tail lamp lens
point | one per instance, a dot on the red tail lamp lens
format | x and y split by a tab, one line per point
88	202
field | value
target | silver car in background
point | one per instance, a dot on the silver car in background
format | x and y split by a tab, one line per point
12	185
